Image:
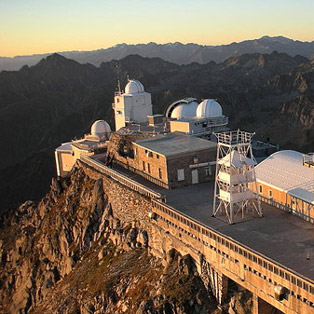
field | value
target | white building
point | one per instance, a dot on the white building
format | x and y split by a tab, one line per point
132	106
286	180
67	154
196	119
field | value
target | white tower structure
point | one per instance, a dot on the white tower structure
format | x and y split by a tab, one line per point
132	106
235	176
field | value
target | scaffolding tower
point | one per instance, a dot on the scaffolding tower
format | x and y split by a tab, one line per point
235	176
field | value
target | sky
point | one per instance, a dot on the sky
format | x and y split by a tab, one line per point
42	26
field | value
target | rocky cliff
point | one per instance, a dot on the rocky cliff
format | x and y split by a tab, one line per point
88	247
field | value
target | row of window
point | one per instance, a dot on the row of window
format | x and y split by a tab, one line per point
270	192
147	168
233	247
148	153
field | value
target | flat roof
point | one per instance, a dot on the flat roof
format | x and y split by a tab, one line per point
175	143
284	171
88	145
66	147
142	128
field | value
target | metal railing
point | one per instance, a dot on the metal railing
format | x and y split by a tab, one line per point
121	178
285	208
197	229
234	137
143	174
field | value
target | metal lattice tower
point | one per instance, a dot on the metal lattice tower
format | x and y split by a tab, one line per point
235	176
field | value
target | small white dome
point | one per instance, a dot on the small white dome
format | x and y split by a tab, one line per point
100	127
184	110
209	108
134	87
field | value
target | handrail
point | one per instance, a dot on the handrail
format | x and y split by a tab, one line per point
118	176
143	174
203	228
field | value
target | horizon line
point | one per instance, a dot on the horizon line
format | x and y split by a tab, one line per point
154	42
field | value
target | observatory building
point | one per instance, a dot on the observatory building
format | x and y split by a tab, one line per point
132	106
92	143
189	117
171	160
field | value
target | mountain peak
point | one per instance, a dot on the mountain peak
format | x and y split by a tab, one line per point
280	39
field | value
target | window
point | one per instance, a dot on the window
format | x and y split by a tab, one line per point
208	171
270	193
180	173
118	100
160	173
148	167
261	189
157	156
144	168
195	159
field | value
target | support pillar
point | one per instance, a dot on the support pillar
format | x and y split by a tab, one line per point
217	282
255	304
219	285
262	307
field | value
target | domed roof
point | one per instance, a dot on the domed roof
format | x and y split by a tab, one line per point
184	110
100	127
134	87
209	108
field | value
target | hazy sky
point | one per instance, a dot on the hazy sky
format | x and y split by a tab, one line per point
38	26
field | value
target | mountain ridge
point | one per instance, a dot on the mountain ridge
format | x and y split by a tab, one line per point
174	52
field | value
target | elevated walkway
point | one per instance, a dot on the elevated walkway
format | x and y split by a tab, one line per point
277	250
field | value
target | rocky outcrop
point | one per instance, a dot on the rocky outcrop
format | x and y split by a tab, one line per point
88	247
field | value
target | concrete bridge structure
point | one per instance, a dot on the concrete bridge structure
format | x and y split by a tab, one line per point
272	257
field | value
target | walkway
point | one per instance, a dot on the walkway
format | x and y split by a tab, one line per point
279	235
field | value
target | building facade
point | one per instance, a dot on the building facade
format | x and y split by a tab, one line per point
286	180
132	106
174	159
95	142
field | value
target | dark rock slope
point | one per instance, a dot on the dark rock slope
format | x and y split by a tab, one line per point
58	99
71	254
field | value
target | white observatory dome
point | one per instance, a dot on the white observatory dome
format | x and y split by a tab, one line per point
184	110
100	127
134	87
209	108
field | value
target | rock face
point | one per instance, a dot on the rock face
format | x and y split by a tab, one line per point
87	248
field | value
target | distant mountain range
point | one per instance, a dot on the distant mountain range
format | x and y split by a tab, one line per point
173	52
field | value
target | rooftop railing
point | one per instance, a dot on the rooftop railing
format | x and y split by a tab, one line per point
121	178
234	137
198	230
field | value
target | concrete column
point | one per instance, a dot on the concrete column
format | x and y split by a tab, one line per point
255	304
219	285
262	307
217	282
